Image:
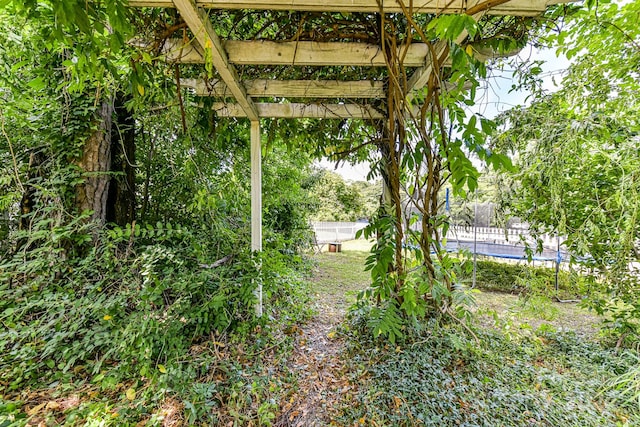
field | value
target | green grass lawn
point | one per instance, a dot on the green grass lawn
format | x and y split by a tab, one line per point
338	277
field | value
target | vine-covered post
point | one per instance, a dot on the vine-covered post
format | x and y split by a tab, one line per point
256	205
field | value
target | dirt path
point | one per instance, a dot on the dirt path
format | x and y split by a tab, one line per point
316	360
322	379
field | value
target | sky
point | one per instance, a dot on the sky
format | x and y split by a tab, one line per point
494	98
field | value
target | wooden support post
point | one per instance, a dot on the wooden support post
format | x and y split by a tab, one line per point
256	203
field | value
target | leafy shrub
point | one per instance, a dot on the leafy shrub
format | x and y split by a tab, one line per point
400	299
620	306
125	307
628	383
517	278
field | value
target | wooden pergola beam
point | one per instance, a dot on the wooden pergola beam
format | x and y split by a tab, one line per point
292	111
513	7
303	53
248	52
200	25
291	88
318	89
421	76
307	53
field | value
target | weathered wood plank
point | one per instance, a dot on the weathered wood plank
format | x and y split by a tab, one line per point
204	33
291	88
248	52
313	111
317	54
175	50
513	7
256	203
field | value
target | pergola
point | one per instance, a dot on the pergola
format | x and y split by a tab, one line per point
206	46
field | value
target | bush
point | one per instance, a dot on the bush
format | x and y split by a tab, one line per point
519	278
137	300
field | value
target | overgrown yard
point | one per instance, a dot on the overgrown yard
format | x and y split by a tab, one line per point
525	362
532	362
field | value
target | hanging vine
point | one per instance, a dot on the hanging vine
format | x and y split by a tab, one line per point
423	146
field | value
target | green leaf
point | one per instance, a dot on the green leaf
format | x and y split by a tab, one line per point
38	83
15	67
131	393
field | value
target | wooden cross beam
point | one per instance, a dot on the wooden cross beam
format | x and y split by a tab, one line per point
306	53
318	89
291	111
291	88
302	53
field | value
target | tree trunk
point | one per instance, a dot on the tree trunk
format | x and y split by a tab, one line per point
95	162
121	201
28	202
391	201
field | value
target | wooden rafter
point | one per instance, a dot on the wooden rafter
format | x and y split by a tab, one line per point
291	88
303	53
422	75
312	111
200	25
249	52
513	7
318	89
317	53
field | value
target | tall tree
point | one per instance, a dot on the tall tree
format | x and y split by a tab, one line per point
78	58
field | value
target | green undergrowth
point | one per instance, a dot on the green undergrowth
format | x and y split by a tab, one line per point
524	278
137	330
445	377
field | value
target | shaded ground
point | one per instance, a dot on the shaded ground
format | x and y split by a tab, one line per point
323	379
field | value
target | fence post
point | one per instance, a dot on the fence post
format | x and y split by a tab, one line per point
475	235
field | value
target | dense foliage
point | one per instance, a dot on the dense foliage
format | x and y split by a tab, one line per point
577	157
525	279
337	200
104	310
448	378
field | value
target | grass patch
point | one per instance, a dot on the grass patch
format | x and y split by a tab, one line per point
340	276
495	309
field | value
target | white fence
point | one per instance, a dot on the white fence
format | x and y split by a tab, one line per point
501	236
341	231
328	232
